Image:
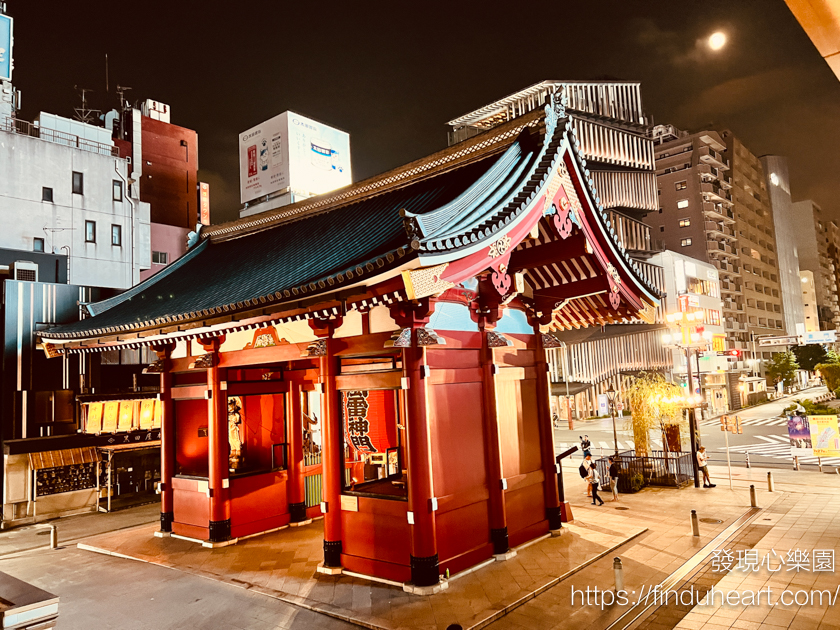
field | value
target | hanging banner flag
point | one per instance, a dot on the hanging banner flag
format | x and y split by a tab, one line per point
370	420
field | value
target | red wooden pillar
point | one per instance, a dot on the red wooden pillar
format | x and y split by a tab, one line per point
331	441
552	500
424	552
219	446
167	436
493	450
421	498
295	483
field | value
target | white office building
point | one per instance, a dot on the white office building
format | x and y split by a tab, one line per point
64	190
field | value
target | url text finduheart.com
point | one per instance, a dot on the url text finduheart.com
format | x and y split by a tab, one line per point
691	596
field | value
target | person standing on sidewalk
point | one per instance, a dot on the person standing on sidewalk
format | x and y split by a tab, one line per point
594	480
614	478
584	473
702	460
585	446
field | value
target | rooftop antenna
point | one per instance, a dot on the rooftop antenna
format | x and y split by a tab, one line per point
121	90
84	113
106	74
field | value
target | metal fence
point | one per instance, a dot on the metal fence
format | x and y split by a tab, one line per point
660	468
25	128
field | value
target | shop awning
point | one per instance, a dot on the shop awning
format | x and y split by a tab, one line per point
66	457
575	387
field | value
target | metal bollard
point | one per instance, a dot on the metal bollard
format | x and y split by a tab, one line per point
769	482
753	502
796	462
819	463
695	523
53	537
618	568
748	459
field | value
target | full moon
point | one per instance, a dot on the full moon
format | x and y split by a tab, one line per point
717	41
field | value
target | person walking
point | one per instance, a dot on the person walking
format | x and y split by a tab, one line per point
594	480
613	478
702	464
555	420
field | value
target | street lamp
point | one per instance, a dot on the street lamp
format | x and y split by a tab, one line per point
690	335
611	397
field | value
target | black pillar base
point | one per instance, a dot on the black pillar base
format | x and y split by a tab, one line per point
499	538
424	571
555	517
166	519
332	553
220	531
297	512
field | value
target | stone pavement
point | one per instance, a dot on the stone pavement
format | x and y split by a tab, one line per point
798	514
282	565
534	589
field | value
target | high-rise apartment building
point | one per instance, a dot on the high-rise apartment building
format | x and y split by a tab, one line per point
696	216
756	243
784	219
815	240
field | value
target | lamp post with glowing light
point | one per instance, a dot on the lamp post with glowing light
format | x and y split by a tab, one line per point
689	335
611	397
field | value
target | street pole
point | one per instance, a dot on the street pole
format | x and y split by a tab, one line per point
692	421
615	434
728	460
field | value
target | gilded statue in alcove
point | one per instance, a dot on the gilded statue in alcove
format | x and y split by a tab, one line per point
237	458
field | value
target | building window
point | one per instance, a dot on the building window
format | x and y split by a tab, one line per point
37	244
681	185
661	228
90	231
685	242
682	203
116	235
685	222
117	194
78	183
160	258
46	194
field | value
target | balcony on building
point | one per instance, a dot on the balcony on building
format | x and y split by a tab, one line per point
709	156
716	194
717	229
728	286
721	248
714	176
718	211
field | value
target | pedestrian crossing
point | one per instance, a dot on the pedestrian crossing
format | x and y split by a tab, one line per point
600	447
778	447
749	422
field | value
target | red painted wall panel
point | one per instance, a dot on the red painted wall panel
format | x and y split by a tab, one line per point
191	507
263	422
376	536
190	449
258	503
516	402
525	507
462	529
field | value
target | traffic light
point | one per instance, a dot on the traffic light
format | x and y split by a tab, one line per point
734	354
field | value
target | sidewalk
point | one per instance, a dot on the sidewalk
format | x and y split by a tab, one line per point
73	528
801	513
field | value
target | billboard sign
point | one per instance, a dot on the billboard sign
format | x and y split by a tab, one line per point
5	47
814	436
292	152
785	340
819	336
204	203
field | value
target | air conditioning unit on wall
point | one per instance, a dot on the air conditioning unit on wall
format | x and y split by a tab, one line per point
24	270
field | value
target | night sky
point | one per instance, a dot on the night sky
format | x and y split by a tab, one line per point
392	74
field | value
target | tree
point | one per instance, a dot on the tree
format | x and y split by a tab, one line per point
830	373
809	356
655	404
782	368
831	357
